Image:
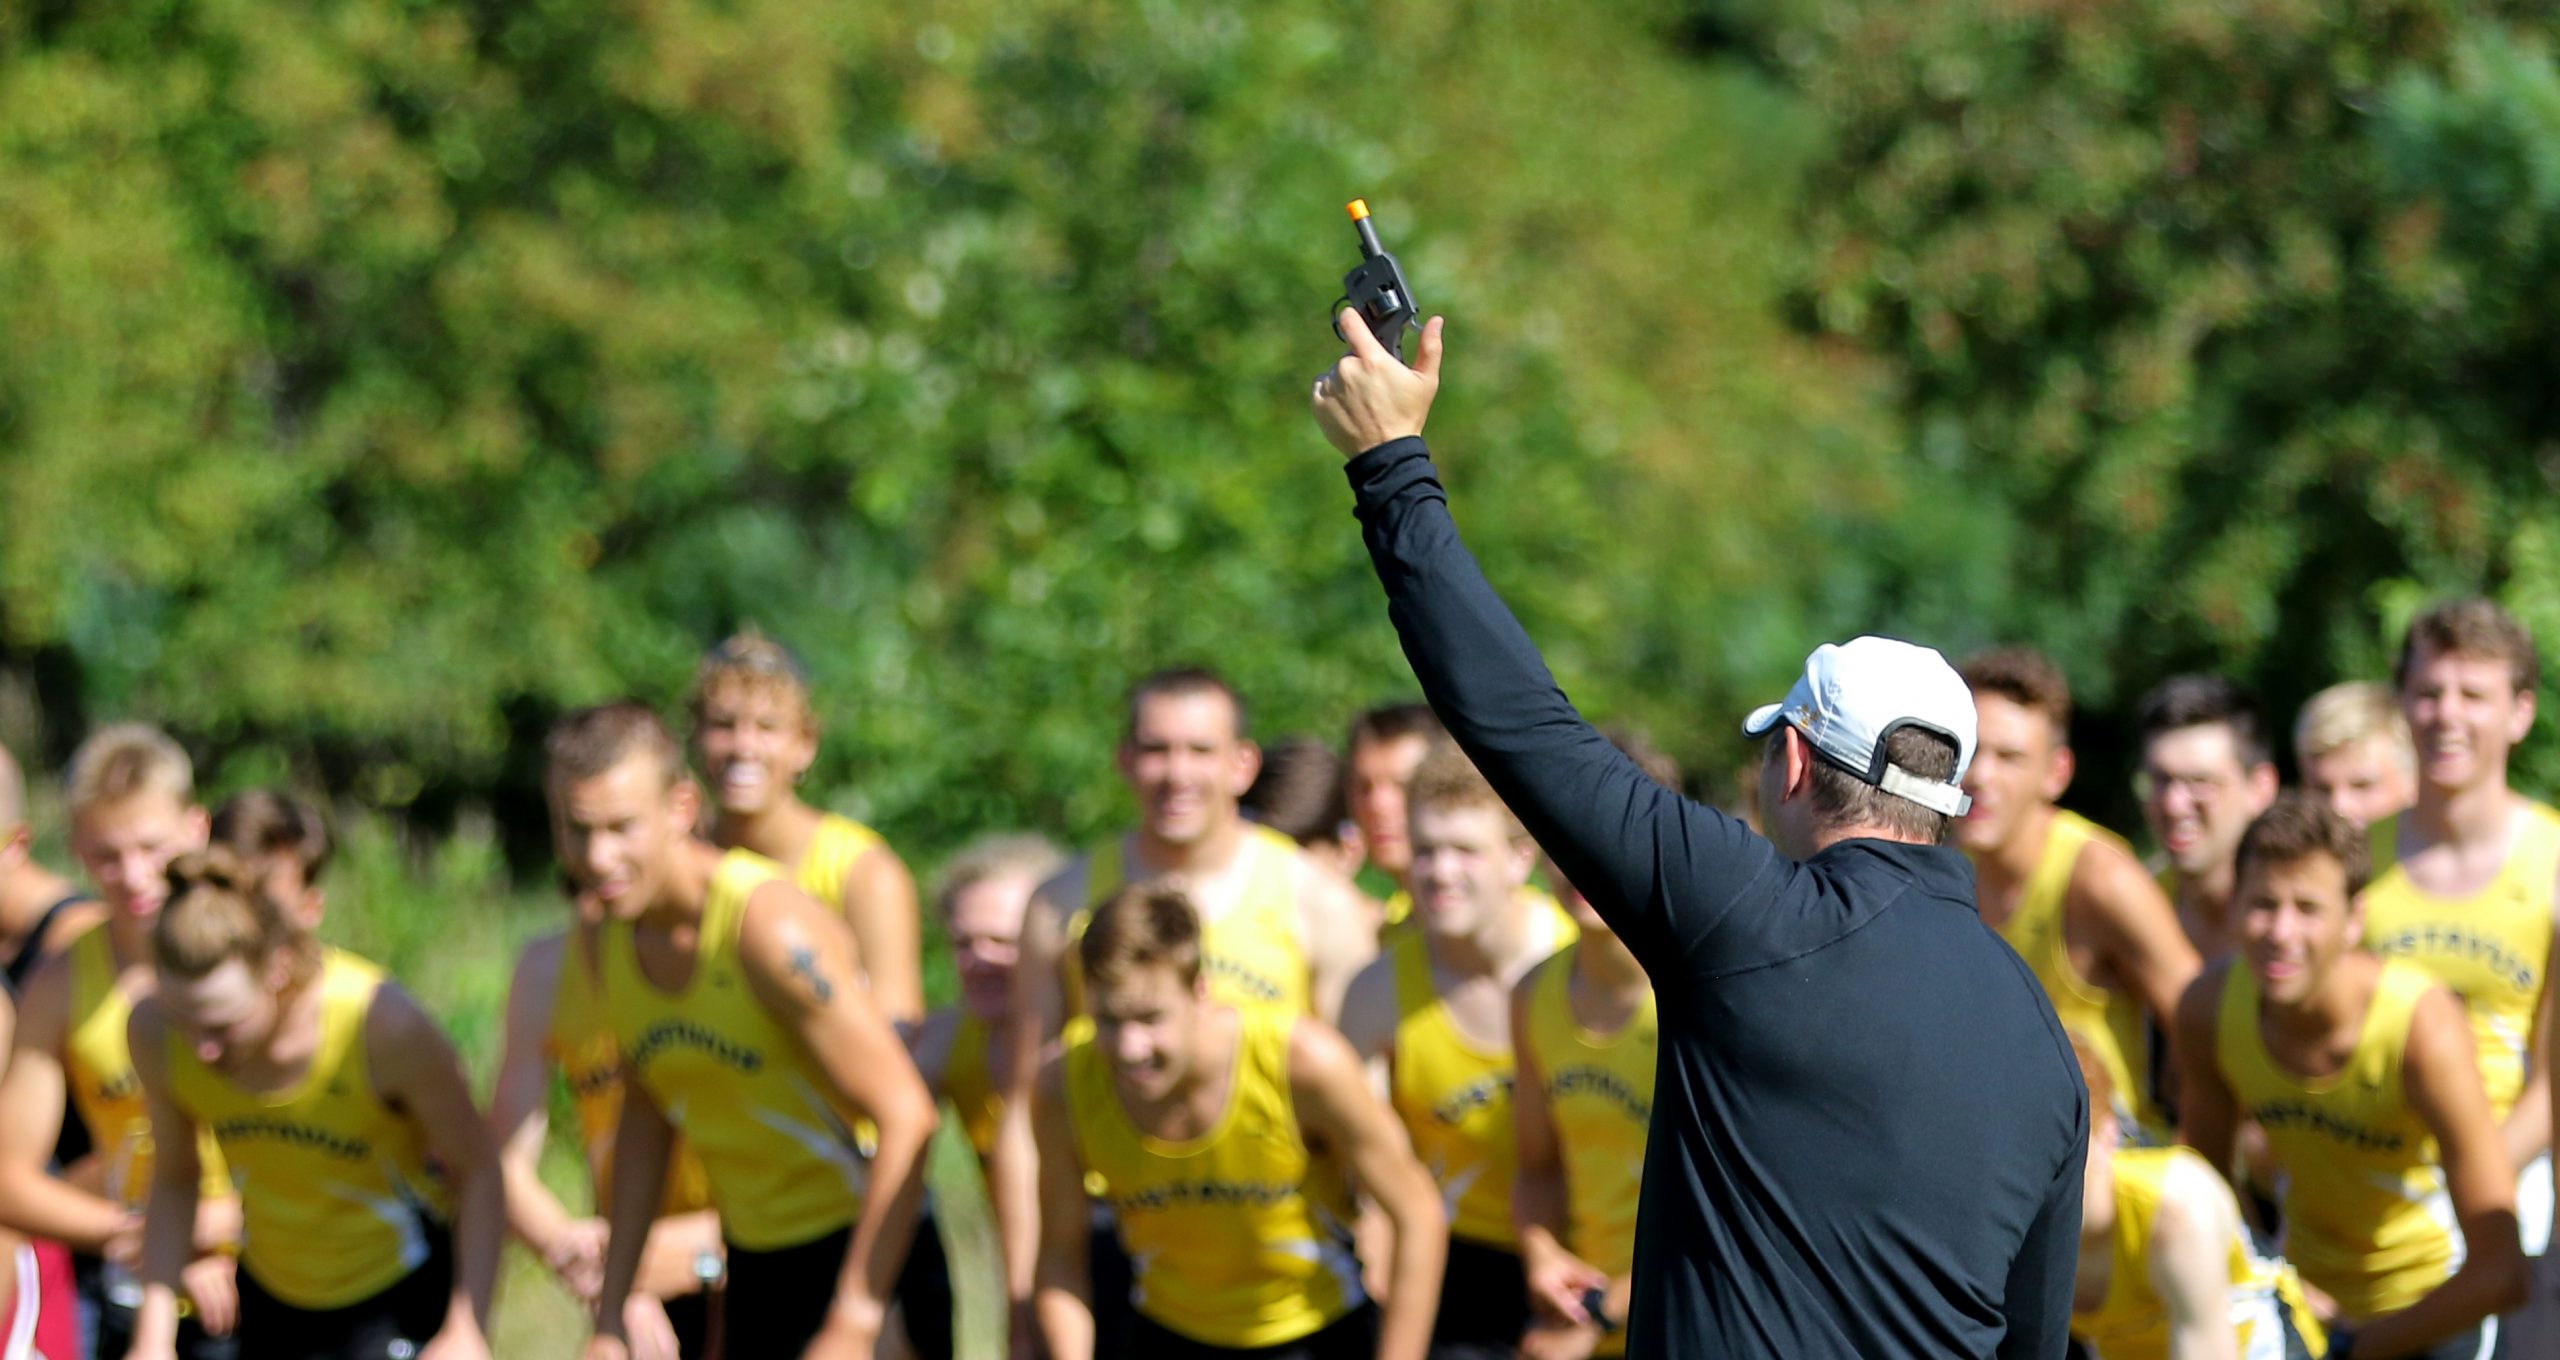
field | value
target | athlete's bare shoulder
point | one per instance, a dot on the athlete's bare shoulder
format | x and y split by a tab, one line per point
1369	1008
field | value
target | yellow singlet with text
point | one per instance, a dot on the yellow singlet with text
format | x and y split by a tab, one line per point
2367	1218
1240	1237
2488	948
336	1200
97	1066
1599	1094
1252	953
580	1044
782	1157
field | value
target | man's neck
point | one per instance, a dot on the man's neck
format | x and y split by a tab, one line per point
2204	903
129	939
683	891
1204	857
1830	836
779	833
2009	864
2466	818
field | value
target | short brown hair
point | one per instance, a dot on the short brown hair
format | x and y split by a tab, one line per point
2472	627
258	823
1395	722
1299	791
750	661
1842	799
587	743
1180	682
117	762
1144	925
2298	826
2025	677
218	912
2347	713
2184	701
1447	779
1019	854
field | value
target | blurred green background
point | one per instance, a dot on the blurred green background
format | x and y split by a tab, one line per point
380	377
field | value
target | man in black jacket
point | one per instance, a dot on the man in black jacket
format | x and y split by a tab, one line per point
1868	1128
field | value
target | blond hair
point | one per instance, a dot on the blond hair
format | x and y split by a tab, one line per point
2344	714
1447	779
125	759
217	912
1015	855
749	661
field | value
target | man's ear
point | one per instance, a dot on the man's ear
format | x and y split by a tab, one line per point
1799	757
1248	765
2058	772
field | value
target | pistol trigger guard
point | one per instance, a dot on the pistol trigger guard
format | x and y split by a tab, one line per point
1333	317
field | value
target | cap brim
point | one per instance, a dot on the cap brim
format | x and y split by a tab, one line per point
1762	719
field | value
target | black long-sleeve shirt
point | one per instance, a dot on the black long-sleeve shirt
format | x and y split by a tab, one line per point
1868	1129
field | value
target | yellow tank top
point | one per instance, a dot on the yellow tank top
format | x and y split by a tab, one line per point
1455	1099
2366	1214
2487	948
1251	953
970	1086
783	1159
98	1067
1599	1094
2132	1323
833	847
336	1200
1240	1237
580	1043
2110	1023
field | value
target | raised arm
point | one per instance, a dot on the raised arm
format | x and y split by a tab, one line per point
2442	1079
1338	1112
1662	870
416	1071
798	960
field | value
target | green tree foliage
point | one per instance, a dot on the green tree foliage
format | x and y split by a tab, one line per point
378	377
2224	326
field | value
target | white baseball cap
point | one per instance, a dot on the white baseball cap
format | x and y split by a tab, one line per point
1855	694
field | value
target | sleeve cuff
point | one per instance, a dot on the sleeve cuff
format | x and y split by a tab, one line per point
1370	473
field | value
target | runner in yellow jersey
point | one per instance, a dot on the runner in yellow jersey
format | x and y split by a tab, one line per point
1584	1029
1227	1139
2398	1203
1435	1011
1277	928
556	1023
2069	897
2206	771
962	1053
2464	880
328	1091
755	731
742	1025
2166	1270
131	793
2351	742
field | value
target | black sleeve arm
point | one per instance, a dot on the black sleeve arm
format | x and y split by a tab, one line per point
2038	1301
1663	871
